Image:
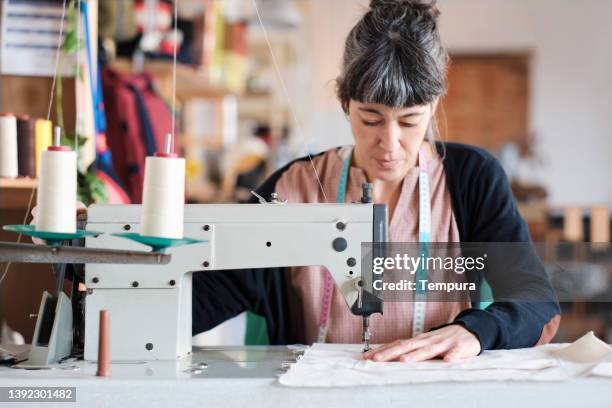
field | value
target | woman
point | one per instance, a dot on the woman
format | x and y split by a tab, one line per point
392	79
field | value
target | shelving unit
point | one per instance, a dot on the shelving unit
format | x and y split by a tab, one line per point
15	193
226	107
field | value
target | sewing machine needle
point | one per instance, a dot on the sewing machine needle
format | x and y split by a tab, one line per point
366	333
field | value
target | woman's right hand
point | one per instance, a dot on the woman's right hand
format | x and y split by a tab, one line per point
81	208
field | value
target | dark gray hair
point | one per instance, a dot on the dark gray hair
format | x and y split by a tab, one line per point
393	56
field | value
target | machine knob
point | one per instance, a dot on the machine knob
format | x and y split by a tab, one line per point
339	244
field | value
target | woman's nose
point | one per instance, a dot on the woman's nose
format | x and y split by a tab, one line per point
389	138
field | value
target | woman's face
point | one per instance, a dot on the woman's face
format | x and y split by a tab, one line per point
387	140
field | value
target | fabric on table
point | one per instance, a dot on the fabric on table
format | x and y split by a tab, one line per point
587	349
341	365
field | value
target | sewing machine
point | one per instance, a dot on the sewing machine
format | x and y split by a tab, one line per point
151	306
146	307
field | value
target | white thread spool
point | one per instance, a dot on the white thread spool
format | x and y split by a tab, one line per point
8	146
163	198
57	187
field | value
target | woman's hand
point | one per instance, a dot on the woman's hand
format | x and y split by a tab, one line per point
452	343
80	209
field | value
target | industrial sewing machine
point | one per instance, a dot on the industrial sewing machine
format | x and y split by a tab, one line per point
151	302
151	306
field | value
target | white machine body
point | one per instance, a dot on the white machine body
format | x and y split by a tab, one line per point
151	306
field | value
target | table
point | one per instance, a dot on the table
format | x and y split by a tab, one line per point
246	377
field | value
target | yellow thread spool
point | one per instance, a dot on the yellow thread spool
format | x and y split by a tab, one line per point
43	132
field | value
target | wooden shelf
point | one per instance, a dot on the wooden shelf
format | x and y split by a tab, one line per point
15	193
190	81
18	183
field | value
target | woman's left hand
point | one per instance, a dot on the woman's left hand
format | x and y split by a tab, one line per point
452	343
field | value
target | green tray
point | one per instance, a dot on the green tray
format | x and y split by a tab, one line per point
156	243
52	238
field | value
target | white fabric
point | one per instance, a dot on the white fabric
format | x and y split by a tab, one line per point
587	349
342	365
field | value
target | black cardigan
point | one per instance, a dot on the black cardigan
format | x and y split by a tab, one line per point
485	211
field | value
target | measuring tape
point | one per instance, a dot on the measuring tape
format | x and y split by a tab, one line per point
420	297
419	314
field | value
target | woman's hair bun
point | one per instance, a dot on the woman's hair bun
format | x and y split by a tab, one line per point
417	5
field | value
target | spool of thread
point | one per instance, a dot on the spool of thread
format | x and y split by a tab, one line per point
572	224
600	224
57	185
26	146
43	137
163	199
104	364
8	146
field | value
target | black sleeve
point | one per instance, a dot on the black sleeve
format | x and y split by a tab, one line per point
220	295
492	216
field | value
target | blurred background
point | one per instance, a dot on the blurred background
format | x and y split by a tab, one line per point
529	81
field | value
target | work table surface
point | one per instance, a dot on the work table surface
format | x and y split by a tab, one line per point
247	377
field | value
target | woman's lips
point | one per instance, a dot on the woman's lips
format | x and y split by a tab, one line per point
388	164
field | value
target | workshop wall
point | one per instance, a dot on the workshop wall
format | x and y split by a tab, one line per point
570	87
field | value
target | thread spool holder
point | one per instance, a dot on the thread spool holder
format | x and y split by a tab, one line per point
56	239
51	238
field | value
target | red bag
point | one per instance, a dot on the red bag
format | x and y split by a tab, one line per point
137	121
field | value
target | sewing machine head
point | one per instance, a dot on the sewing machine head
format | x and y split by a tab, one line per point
151	306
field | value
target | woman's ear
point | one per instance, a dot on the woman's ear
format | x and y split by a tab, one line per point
346	107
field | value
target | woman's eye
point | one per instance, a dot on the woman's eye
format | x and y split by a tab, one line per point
407	125
368	123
